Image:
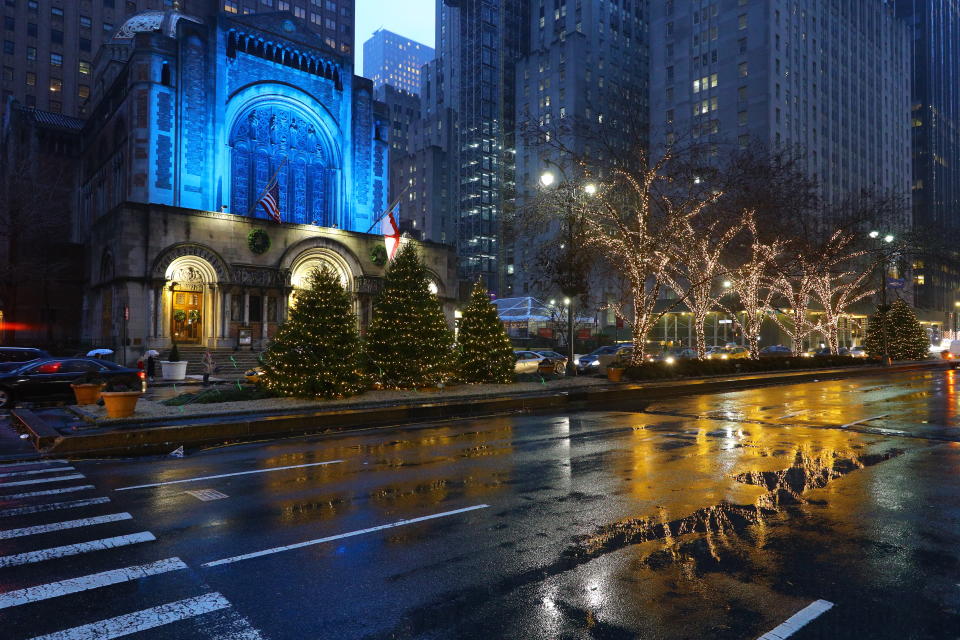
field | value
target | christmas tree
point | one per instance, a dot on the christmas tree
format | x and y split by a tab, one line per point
316	352
907	339
876	325
408	342
484	352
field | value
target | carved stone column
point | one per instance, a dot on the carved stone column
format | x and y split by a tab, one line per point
225	315
246	307
263	315
158	309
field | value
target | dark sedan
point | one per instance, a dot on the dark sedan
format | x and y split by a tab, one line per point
50	379
12	358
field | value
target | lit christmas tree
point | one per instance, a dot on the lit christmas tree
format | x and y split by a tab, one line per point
484	352
876	325
408	342
907	339
316	352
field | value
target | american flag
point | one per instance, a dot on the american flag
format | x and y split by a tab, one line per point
270	201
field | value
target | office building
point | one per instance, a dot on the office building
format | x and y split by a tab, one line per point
391	59
478	45
828	77
583	81
935	26
332	20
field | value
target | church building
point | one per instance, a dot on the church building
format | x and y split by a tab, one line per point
194	121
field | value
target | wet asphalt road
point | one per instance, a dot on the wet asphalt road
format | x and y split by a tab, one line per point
709	517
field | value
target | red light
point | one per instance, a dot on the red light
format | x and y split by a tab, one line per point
50	367
142	375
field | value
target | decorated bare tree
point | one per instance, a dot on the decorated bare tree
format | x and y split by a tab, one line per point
751	280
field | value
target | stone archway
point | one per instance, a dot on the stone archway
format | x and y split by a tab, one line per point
185	303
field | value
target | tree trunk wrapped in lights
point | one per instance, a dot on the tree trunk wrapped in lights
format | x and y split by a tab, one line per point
409	344
795	286
316	352
751	281
484	352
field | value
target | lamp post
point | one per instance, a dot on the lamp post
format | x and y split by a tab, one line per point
547	180
887	239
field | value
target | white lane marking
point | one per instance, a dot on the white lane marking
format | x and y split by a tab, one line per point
228	475
142	620
85	583
798	620
60	526
53	506
46	492
856	422
32	472
74	549
72	476
207	494
27	463
308	543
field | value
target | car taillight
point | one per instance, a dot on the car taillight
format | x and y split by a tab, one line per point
142	375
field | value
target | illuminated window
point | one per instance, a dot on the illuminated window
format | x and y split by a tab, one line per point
56	85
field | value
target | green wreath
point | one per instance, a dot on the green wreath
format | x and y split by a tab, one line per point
258	241
378	255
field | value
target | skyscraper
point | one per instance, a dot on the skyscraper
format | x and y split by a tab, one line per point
391	59
585	76
333	20
830	77
936	140
479	43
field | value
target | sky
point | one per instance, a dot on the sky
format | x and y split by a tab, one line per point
411	18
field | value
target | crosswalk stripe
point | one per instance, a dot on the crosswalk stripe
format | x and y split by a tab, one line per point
85	583
60	526
74	549
72	476
52	506
46	492
27	463
32	472
143	619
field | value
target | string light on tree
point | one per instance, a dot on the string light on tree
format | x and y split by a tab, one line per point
484	352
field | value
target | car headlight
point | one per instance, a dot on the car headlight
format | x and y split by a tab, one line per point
595	363
724	357
669	360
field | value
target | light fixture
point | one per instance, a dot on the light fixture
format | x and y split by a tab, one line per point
874	234
590	189
888	237
566	302
727	284
547	178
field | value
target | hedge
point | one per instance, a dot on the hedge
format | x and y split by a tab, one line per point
697	368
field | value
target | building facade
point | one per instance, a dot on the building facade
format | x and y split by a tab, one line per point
830	78
333	20
391	59
197	117
935	26
478	45
582	92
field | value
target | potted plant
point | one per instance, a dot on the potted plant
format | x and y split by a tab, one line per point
87	388
174	368
615	372
120	399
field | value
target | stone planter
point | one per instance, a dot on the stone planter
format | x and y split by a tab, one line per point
615	374
120	404
173	370
86	393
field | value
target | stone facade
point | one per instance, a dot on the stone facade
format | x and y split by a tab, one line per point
193	119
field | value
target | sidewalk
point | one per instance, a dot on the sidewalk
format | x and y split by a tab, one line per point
75	431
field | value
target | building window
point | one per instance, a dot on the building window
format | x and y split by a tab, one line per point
85	22
742	70
31	52
9	48
742	21
56	60
83	91
56	106
8	74
108	26
56	85
9	23
31	79
56	11
300	12
84	44
84	67
56	36
230	6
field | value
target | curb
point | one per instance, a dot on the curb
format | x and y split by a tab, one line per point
148	440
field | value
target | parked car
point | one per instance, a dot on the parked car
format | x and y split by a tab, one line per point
776	351
15	357
590	363
717	353
527	361
50	379
559	360
858	352
738	353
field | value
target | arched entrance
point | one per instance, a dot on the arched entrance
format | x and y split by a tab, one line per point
190	303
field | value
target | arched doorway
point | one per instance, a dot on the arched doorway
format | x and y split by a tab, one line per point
190	307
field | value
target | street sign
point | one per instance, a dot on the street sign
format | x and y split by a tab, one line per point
896	283
726	321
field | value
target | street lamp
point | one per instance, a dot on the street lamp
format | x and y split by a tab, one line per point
887	239
547	180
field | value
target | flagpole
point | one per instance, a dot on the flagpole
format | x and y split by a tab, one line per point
264	190
389	209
